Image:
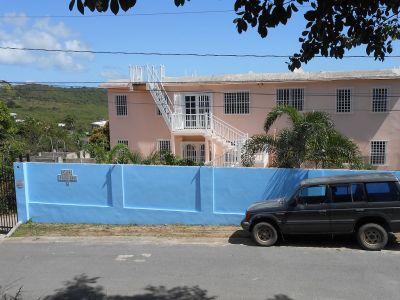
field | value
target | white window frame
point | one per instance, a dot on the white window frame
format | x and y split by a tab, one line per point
118	105
387	99
238	107
160	142
197	105
337	100
378	155
290	100
123	142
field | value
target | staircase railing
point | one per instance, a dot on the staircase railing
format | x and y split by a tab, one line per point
159	94
232	138
226	131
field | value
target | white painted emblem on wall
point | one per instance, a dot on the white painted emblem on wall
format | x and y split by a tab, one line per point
67	176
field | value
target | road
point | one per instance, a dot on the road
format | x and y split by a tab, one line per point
145	269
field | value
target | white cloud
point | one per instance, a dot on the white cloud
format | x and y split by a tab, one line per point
77	45
59	29
14	19
11	57
41	34
40	39
61	61
112	73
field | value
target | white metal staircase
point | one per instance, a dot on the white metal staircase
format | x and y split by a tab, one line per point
220	132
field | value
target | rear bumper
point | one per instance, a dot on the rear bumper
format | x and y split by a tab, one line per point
245	225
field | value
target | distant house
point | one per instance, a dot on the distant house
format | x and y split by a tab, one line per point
14	115
208	119
62	125
98	124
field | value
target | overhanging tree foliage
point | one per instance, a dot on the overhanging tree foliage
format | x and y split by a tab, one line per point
332	26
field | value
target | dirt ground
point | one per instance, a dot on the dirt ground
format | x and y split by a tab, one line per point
175	231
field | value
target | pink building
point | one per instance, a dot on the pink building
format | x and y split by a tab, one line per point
207	119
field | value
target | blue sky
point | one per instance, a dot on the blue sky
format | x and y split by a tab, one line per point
202	33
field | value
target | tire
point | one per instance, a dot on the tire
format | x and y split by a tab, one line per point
372	236
265	234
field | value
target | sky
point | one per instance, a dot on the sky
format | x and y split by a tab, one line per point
50	24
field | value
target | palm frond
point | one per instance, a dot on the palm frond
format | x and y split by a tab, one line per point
277	112
256	144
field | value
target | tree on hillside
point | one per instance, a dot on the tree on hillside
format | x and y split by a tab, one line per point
69	122
331	27
101	136
311	140
6	121
10	146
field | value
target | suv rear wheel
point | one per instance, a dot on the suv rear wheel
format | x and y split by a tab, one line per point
372	236
265	234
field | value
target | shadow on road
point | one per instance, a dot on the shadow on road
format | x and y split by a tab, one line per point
83	287
241	237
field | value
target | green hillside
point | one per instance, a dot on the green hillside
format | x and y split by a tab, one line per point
53	104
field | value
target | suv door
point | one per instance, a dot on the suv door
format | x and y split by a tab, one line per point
309	213
348	204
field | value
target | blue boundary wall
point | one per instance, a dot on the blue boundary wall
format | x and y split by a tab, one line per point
135	194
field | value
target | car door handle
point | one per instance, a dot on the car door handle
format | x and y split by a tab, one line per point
360	209
322	211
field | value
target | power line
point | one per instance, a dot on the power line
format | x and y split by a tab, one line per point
145	53
74	89
177	54
120	15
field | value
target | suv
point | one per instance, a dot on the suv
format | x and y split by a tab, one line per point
365	204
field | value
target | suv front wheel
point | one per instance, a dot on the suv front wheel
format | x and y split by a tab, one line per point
372	236
265	234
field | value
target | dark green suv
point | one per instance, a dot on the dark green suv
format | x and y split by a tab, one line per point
367	205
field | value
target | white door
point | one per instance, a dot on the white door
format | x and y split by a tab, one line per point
197	108
194	152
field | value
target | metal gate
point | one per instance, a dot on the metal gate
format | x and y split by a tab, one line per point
8	201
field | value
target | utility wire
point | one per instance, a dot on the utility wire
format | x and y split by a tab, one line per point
201	12
177	54
92	90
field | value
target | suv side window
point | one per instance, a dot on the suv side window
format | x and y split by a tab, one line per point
312	195
382	191
341	193
345	193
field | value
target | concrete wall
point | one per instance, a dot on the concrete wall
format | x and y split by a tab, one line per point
128	194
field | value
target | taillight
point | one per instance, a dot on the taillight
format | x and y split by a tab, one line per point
248	216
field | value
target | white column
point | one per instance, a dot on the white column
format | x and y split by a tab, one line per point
207	150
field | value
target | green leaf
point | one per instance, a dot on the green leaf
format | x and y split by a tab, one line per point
310	15
114	6
81	7
71	4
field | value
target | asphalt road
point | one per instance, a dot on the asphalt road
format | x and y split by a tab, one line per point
143	269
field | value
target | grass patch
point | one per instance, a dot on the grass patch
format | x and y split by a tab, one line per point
31	229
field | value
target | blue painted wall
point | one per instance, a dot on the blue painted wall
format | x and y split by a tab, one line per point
128	194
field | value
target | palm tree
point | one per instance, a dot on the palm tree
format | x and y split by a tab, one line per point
312	139
121	154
